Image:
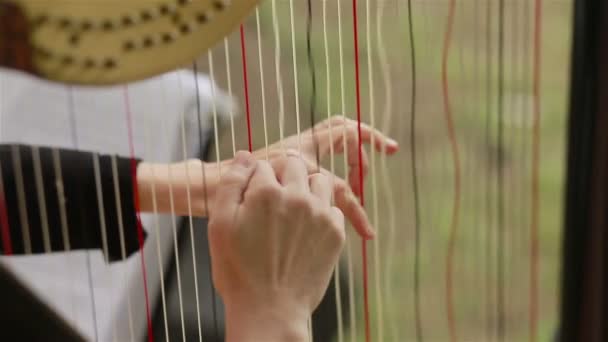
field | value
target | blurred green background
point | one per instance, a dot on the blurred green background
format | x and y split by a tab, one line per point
473	90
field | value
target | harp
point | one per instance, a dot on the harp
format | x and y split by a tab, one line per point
468	231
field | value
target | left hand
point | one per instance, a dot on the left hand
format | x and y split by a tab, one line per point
342	135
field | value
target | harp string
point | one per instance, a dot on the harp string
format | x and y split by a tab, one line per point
313	102
246	86
453	234
328	85
262	83
360	157
475	208
121	232
191	220
414	171
373	173
229	85
511	70
488	178
44	222
500	267
348	252
535	170
159	256
294	60
140	232
23	217
313	81
205	189
279	79
385	177
217	144
102	221
75	144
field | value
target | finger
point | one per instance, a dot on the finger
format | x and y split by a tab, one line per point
263	177
235	181
337	217
358	165
320	187
353	211
334	128
294	174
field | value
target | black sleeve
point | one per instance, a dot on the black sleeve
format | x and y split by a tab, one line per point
67	192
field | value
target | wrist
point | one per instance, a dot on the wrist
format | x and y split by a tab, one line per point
182	182
265	322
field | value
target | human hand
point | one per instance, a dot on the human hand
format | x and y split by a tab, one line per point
274	240
342	135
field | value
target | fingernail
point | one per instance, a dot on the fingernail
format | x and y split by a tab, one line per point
243	158
391	142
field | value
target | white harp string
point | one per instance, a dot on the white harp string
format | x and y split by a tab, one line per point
340	327
102	223
25	225
229	80
349	257
294	59
376	243
387	187
279	78
121	233
75	144
61	200
174	228
214	112
263	87
159	256
44	222
191	221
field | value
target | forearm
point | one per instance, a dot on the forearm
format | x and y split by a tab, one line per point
177	188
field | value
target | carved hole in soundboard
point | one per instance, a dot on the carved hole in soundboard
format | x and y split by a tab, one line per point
185	28
219	5
89	63
176	18
127	21
167	38
148	42
202	18
107	25
74	39
86	25
109	63
65	23
164	9
129	46
183	2
67	60
146	15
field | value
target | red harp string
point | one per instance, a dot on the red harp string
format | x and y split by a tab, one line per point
360	157
535	195
140	229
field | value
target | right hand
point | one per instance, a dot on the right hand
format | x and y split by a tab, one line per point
275	240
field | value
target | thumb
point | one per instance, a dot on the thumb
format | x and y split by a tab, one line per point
234	182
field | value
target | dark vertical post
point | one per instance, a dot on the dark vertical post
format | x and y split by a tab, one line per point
584	312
